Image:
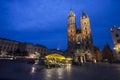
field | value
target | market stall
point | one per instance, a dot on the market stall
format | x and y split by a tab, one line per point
55	60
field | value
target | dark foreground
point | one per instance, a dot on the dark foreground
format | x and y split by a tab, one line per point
89	71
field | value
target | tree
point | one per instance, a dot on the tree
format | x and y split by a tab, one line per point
18	52
98	54
37	55
24	53
107	53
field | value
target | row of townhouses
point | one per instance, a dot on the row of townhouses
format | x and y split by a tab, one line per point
11	46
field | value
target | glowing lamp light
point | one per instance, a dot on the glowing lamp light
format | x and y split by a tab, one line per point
32	56
114	48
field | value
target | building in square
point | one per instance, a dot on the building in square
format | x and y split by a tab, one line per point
115	32
80	43
12	47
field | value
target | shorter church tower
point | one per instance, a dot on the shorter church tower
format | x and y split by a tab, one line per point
86	31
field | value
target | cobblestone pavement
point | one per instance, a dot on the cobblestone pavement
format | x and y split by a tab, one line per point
89	71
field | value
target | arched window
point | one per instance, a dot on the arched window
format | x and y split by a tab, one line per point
117	35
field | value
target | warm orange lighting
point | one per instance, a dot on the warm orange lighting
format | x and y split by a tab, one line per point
32	56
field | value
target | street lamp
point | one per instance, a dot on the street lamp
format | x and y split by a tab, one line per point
37	55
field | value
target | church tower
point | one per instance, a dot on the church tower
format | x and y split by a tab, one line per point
86	31
71	31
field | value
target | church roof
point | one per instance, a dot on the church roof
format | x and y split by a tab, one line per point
78	31
84	15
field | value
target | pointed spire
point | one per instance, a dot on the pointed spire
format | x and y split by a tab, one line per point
71	12
114	25
70	9
84	15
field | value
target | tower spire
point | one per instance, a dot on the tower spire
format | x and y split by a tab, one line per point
84	15
70	9
71	12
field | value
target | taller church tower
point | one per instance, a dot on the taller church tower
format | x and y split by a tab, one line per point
71	31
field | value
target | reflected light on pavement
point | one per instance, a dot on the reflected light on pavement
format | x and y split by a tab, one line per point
33	69
48	73
68	67
60	73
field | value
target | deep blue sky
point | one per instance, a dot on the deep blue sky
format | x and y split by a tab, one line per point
45	21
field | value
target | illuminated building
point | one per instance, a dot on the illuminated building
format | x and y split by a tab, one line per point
11	46
115	31
80	42
7	45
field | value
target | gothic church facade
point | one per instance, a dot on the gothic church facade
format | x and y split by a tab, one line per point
80	38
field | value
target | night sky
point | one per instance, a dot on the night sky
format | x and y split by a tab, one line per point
45	21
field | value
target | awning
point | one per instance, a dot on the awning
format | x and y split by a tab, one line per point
57	56
68	58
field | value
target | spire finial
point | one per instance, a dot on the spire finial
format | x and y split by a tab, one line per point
70	9
84	14
71	12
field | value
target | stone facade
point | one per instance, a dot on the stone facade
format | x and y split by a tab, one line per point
10	46
115	32
80	40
